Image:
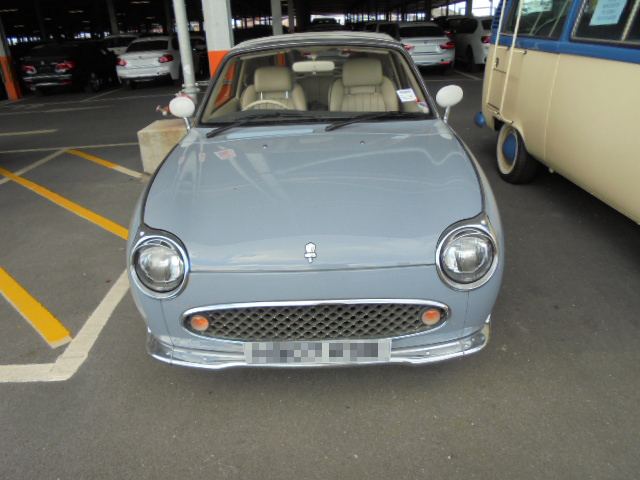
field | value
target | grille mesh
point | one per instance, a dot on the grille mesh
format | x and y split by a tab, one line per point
315	322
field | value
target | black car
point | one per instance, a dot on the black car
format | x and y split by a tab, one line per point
72	65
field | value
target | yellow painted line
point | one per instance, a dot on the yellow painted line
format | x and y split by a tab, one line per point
73	207
104	163
41	319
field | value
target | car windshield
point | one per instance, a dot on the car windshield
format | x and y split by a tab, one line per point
318	83
421	31
147	45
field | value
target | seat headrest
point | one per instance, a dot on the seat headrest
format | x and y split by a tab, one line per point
272	79
360	72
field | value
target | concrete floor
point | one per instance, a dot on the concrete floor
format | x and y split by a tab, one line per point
554	395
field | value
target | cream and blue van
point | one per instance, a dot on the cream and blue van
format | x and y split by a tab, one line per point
562	88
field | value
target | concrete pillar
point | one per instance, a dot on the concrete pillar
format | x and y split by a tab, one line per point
276	17
39	17
468	7
113	20
303	16
217	26
291	12
7	73
186	56
168	18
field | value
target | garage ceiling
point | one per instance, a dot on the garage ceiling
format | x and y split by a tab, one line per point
19	17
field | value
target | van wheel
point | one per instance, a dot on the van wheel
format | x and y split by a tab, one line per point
515	165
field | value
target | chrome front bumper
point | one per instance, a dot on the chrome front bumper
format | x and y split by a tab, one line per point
213	360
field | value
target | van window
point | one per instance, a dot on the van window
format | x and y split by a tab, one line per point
540	18
390	29
487	23
147	45
608	20
421	31
466	25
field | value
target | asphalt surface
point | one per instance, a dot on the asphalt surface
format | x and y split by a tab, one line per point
554	395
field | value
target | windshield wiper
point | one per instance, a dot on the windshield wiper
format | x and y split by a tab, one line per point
262	115
365	117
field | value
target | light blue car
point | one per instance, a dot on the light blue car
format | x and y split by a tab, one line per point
319	212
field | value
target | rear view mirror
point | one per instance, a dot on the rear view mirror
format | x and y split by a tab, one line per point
182	106
313	66
448	97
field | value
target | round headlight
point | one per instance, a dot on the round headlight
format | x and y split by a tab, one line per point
467	257
159	265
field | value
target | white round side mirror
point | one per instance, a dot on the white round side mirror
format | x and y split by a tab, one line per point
182	106
449	96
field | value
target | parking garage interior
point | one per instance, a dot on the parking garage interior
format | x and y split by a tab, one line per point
553	394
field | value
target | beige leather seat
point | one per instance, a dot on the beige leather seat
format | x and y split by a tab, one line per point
363	88
274	83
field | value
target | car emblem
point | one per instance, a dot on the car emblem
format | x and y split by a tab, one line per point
310	251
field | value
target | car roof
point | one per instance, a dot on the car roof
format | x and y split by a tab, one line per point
317	37
121	35
419	24
151	38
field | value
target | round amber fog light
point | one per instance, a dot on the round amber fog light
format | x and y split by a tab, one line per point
431	317
199	323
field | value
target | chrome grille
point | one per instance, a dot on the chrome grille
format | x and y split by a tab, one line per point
316	321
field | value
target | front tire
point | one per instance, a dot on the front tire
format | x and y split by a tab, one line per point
515	165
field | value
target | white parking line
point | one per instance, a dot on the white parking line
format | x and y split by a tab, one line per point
472	77
32	106
100	95
77	352
33	165
28	132
54	110
48	149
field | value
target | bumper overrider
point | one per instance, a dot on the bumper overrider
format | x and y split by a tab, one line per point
216	360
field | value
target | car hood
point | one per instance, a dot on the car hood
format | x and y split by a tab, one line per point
366	195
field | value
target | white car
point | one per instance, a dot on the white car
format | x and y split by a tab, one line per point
472	35
427	44
152	58
118	43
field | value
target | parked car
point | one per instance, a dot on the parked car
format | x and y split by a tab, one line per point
428	45
390	28
324	24
472	35
154	58
117	44
73	65
360	231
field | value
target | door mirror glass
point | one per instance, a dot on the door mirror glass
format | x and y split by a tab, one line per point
182	106
449	96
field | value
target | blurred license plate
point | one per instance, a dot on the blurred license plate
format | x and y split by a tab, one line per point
353	351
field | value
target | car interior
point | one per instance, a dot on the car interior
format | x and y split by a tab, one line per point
318	79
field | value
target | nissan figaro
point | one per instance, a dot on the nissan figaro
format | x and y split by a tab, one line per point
318	212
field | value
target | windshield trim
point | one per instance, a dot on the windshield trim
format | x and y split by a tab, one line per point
390	44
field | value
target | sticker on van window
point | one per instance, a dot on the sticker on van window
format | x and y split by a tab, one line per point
407	95
607	12
536	6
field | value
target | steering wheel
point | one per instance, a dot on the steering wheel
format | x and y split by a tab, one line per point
266	102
